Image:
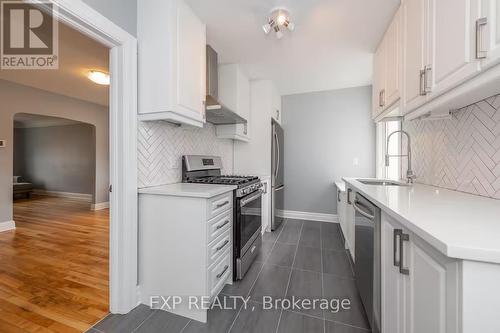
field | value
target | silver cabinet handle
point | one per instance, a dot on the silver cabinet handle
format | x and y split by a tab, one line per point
427	77
223	271
222	246
362	212
396	238
222	204
380	98
481	49
338	195
402	269
349	191
220	226
422	82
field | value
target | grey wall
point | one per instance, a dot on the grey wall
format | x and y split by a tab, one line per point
324	133
121	12
15	99
57	158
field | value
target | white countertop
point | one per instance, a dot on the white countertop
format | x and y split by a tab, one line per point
460	225
188	190
340	185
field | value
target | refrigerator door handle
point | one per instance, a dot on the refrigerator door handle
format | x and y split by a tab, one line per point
277	155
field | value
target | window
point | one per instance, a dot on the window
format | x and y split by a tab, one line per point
384	129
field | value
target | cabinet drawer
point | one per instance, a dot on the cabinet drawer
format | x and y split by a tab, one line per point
219	273
219	204
219	246
218	225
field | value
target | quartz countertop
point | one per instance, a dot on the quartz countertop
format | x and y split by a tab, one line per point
188	190
458	224
340	185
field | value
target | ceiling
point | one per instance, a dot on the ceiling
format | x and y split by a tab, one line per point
331	48
25	120
77	55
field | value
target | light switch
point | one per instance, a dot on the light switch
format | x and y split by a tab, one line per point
2	143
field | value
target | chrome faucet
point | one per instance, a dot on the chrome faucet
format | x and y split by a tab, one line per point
410	176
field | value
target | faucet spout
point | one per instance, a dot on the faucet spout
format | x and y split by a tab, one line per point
410	175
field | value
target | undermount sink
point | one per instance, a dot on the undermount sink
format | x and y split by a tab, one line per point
381	182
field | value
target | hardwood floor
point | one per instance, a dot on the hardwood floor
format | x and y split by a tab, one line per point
54	267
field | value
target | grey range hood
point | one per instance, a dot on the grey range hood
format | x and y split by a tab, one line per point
216	112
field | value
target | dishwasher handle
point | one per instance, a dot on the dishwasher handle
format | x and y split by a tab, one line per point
357	207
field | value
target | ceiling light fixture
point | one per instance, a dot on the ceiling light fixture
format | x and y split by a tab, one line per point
278	21
99	77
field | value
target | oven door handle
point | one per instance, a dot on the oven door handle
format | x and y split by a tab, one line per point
254	197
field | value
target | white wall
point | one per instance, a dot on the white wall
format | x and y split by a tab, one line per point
21	99
254	157
121	12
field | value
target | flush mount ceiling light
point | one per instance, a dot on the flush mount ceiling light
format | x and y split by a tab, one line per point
278	21
99	77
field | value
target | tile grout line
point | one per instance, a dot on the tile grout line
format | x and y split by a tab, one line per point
257	277
186	325
291	271
142	322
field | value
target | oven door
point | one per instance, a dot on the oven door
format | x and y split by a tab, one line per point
249	220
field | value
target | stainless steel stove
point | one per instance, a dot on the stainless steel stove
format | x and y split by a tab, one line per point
247	215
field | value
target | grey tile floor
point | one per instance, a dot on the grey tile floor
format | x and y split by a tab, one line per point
304	259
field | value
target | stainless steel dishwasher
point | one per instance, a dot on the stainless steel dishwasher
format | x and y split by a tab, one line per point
367	254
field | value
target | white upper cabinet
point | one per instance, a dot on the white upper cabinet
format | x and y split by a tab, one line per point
414	51
451	44
172	62
489	33
387	69
234	93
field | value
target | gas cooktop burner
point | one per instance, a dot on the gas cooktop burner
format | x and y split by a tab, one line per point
225	180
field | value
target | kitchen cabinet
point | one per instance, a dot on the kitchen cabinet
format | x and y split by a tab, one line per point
489	33
419	284
172	62
451	44
350	222
234	93
192	258
387	68
341	211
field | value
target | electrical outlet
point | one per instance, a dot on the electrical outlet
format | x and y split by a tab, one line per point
3	143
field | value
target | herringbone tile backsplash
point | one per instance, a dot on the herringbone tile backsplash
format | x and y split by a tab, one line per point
462	153
161	146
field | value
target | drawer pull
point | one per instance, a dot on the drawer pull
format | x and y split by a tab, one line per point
223	271
222	246
222	225
222	204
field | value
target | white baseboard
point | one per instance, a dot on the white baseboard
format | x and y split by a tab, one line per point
292	214
7	225
69	195
99	206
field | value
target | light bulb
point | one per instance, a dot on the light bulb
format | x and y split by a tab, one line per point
281	19
267	28
99	77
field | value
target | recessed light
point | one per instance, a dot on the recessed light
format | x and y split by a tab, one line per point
99	77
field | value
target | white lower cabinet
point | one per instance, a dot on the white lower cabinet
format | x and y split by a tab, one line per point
420	286
341	211
185	248
349	222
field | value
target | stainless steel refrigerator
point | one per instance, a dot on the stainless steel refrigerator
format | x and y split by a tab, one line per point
277	175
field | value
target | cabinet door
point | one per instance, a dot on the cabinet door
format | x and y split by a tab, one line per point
490	32
191	61
452	43
413	52
432	301
392	286
341	210
379	72
393	62
349	218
